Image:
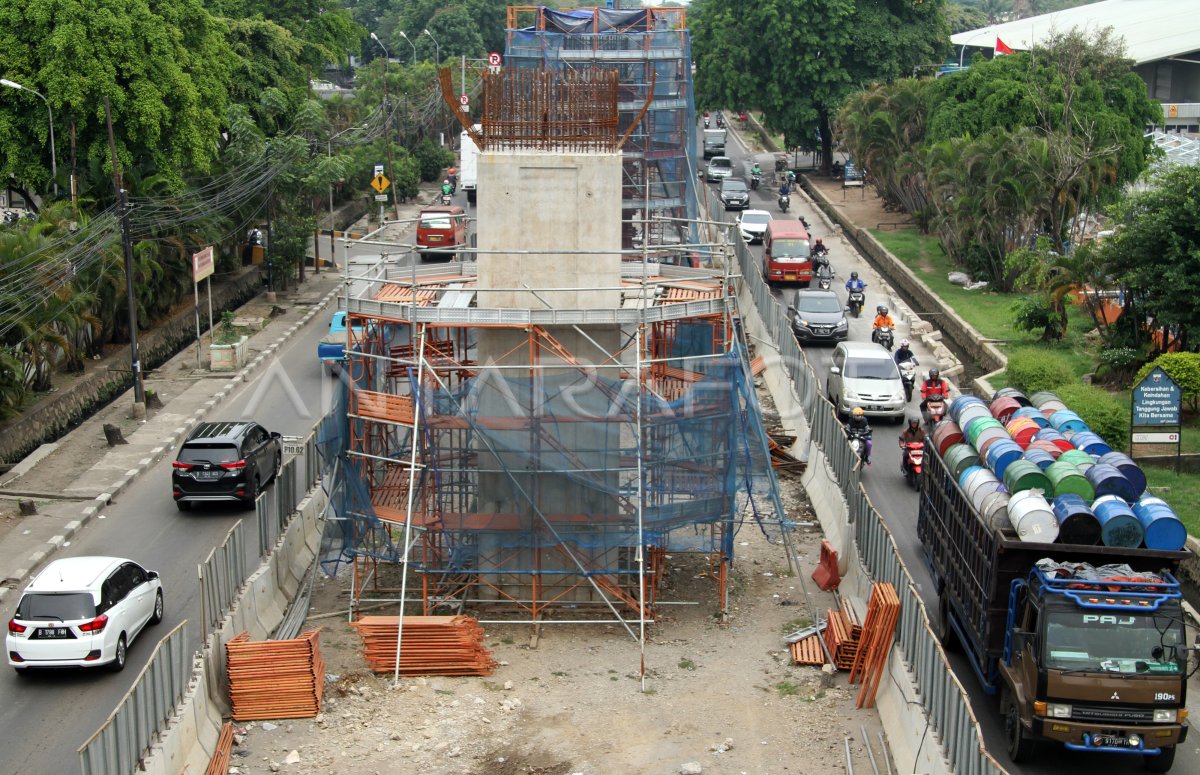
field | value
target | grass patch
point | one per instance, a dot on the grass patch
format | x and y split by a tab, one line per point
798	623
787	689
687	664
1182	493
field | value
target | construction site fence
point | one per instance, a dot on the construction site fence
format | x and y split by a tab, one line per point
943	697
119	745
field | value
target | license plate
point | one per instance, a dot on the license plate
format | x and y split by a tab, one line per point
789	277
208	474
293	449
434	238
54	633
1110	740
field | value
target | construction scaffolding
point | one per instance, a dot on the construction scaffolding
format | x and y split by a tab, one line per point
650	50
544	482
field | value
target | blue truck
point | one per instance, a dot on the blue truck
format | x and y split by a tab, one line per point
1093	663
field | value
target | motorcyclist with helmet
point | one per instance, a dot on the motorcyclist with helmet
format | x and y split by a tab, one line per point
913	434
904	353
854	283
934	385
860	428
447	189
882	319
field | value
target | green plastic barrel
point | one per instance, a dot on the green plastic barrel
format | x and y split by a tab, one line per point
973	429
1066	479
1076	457
1022	475
959	458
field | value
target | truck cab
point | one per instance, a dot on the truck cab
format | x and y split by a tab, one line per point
714	142
1095	664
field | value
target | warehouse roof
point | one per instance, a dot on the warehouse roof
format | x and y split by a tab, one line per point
1153	29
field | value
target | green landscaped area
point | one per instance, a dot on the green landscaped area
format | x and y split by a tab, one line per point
991	314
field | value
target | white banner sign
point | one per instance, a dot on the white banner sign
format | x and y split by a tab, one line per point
1156	438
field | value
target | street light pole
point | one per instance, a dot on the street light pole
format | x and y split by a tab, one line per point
388	134
53	161
437	50
414	46
962	49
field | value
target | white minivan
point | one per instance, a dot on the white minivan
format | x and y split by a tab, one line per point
83	612
864	374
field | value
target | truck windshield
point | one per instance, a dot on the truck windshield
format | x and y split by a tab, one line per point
1116	642
790	248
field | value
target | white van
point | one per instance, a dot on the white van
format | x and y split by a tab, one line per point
864	374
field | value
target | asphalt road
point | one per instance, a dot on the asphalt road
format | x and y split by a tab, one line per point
898	503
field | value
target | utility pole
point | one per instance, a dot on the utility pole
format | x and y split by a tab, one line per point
391	169
139	390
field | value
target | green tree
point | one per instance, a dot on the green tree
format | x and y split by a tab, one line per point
164	66
1157	248
962	17
772	56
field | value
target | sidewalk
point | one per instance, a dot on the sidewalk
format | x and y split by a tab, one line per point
73	479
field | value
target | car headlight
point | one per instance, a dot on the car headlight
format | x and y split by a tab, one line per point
803	322
899	395
843	323
1058	710
1165	716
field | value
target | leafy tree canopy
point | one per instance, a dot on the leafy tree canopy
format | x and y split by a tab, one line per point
774	56
165	67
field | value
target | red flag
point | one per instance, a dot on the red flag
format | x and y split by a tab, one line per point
1002	47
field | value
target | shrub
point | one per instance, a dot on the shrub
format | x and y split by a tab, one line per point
432	158
1184	368
1031	370
1117	363
1105	415
1033	313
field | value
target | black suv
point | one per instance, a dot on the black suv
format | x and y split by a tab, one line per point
225	461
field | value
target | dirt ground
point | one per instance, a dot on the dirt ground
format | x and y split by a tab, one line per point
716	697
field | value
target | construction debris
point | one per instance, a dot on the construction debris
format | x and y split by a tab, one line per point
275	679
842	633
808	651
781	460
878	632
432	645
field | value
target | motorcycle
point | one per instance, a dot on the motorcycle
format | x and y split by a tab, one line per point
908	375
446	199
706	122
860	444
935	410
824	277
883	335
785	201
804	222
720	121
855	302
912	461
755	179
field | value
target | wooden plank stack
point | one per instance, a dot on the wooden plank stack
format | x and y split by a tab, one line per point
878	632
842	634
433	645
808	651
275	679
219	763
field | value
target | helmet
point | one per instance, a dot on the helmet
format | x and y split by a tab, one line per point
913	422
903	343
934	373
883	311
854	275
446	181
857	411
819	241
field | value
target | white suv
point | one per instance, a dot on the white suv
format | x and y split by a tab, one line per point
83	612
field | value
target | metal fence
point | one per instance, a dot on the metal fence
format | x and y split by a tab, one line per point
133	727
944	699
120	743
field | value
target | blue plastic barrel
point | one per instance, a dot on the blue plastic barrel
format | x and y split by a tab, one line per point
1076	522
966	473
1132	471
1043	459
1065	420
960	403
1091	443
1163	529
1033	414
1000	454
1109	481
1118	525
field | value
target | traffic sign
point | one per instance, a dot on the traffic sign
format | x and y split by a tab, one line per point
494	58
378	170
380	183
464	100
381	197
202	264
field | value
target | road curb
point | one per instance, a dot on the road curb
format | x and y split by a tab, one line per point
95	506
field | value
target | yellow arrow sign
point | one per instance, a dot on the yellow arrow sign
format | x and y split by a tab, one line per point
380	183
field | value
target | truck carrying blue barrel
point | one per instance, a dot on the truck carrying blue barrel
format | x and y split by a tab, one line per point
1045	641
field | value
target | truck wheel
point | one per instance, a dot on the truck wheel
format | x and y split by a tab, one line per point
943	630
1162	762
1020	747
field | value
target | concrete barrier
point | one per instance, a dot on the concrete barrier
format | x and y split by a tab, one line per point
190	740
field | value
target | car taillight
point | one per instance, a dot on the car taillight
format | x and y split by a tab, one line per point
236	465
95	625
181	466
14	628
